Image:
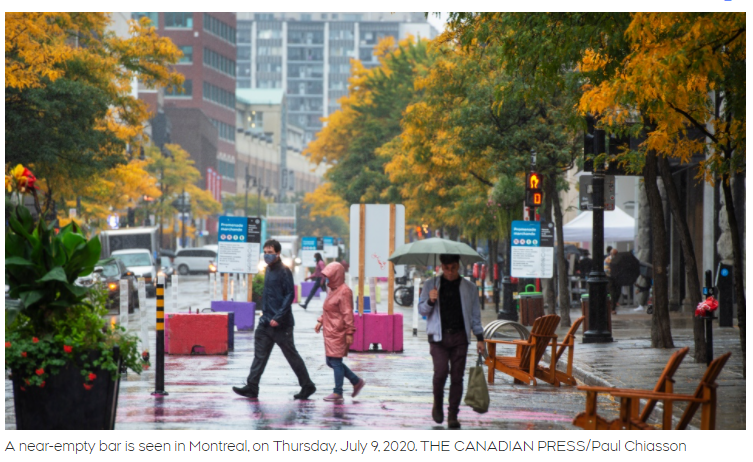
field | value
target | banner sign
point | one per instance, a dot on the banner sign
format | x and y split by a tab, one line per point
330	248
239	244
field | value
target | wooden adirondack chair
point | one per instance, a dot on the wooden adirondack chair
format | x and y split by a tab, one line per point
704	397
568	343
590	420
528	353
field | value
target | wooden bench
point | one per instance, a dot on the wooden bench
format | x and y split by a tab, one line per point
568	343
523	366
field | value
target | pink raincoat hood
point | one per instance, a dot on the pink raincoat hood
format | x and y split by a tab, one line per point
335	273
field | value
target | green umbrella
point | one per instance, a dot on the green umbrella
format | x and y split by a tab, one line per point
427	252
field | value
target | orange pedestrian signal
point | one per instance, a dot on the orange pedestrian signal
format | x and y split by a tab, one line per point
534	195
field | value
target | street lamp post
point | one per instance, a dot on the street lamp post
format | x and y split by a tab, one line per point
598	331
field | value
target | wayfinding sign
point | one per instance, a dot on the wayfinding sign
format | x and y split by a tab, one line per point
238	244
309	247
586	192
532	249
330	247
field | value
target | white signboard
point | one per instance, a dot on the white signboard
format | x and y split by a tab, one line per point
310	246
377	238
238	244
330	247
532	253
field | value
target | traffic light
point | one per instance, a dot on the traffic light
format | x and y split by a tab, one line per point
534	195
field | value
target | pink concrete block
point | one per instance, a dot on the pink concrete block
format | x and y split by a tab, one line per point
385	329
205	333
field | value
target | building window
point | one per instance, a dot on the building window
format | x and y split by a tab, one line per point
219	95
153	17
269	84
187	57
255	120
334	15
305	17
218	62
179	20
269	34
226	169
176	91
269	51
218	28
225	131
264	16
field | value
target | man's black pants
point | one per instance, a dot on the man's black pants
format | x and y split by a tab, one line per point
265	338
449	359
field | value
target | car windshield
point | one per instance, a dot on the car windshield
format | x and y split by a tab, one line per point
110	270
134	259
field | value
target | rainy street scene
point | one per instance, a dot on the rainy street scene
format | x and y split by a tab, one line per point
375	221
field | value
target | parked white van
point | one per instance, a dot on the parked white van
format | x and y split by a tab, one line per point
193	260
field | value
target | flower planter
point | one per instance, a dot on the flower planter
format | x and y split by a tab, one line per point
65	404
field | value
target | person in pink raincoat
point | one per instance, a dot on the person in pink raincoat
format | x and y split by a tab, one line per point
337	323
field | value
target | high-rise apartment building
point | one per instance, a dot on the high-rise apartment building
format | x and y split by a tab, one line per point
307	55
202	117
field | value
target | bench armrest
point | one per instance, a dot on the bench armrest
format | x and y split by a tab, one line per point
656	396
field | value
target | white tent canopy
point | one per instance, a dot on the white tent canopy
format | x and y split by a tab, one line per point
618	226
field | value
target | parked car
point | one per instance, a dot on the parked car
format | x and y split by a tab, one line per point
109	273
194	260
141	263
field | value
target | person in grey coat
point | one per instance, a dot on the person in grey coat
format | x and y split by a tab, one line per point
450	304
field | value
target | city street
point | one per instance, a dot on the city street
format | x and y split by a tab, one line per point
398	391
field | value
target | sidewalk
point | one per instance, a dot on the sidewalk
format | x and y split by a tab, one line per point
630	362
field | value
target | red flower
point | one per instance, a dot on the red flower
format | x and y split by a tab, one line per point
34	340
7	344
87	386
27	381
67	348
41	385
23	354
40	371
23	389
92	376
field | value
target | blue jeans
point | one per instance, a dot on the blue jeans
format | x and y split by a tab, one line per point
341	370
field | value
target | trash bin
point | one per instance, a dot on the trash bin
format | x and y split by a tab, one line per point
531	305
584	307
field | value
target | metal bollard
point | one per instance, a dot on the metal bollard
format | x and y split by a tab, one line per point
142	320
159	382
416	289
174	289
125	296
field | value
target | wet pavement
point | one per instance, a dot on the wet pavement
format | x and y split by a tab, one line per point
398	391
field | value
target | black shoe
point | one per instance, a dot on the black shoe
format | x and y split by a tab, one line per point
246	391
452	420
305	392
437	414
302	305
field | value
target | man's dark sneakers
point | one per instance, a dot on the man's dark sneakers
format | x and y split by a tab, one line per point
246	391
437	414
305	392
452	420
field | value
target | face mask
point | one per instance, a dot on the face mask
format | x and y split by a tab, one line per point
270	258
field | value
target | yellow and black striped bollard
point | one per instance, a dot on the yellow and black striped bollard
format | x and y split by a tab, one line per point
159	383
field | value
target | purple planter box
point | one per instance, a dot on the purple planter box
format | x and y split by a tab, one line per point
244	312
306	289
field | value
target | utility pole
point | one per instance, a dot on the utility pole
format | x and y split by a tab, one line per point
597	280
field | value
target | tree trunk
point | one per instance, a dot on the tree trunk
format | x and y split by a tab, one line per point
661	334
737	270
694	292
562	275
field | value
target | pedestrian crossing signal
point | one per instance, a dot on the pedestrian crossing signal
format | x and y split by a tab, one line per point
534	195
534	198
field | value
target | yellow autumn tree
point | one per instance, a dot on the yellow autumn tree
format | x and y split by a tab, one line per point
70	111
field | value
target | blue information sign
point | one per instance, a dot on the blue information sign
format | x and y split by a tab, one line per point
526	233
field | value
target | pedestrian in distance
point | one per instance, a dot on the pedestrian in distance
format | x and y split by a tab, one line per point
318	279
451	306
276	326
336	323
614	289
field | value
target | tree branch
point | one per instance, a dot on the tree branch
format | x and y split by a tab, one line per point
697	124
482	180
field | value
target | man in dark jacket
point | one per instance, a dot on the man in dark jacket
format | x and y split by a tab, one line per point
276	326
